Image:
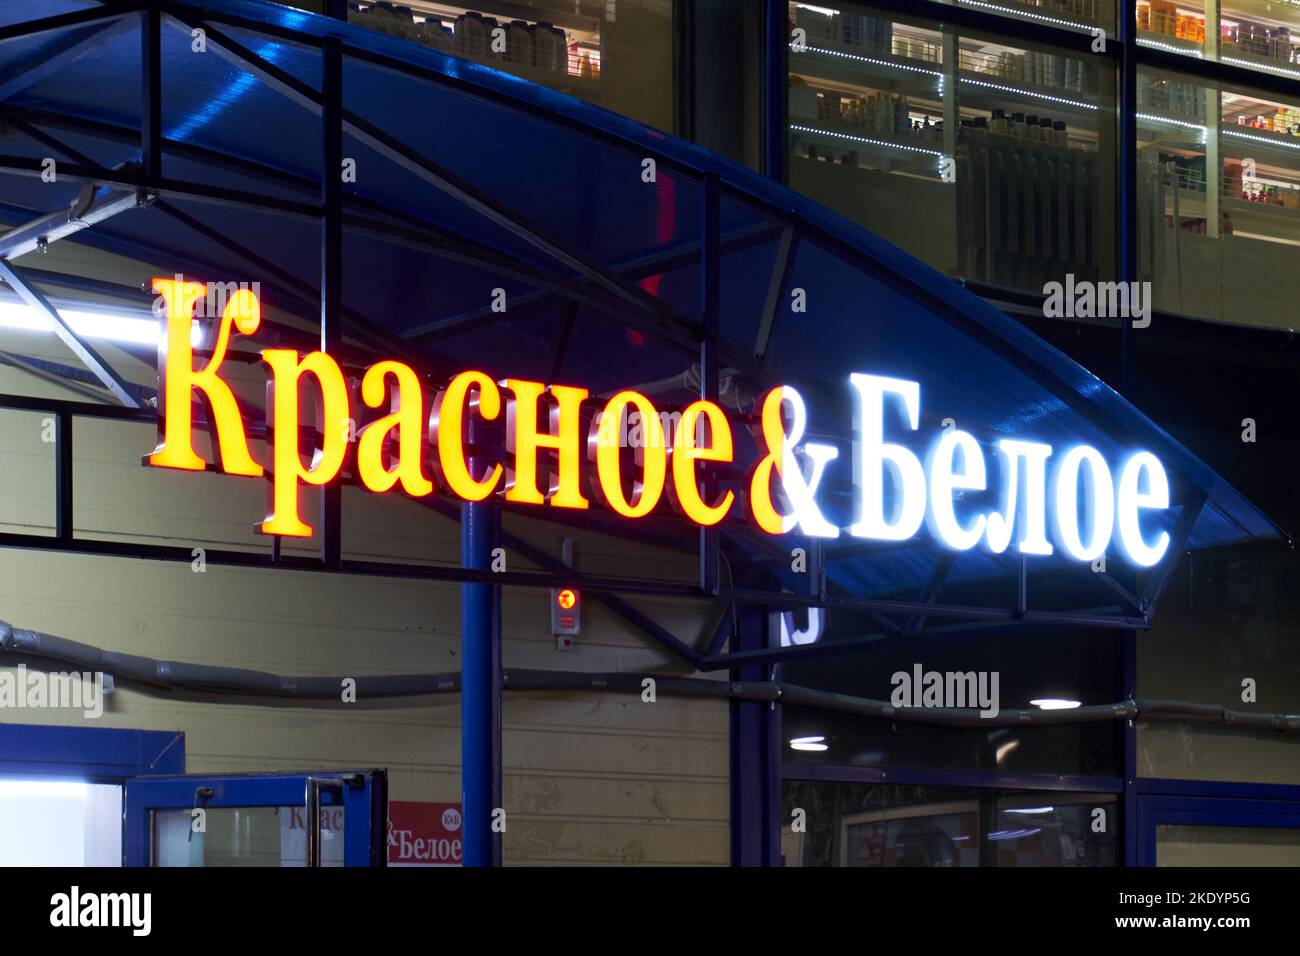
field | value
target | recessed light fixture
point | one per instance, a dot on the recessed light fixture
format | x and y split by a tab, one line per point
1054	703
815	744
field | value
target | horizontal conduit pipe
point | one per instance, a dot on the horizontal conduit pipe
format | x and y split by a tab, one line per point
204	677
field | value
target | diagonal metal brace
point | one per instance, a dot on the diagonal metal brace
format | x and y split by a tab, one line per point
88	356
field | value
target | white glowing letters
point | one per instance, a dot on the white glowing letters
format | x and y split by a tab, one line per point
1012	493
1084	504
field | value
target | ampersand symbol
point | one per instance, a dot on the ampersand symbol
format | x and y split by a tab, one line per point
798	488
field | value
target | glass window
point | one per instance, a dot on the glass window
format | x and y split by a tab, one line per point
1010	670
1218	199
1261	34
863	824
1071	14
610	52
1180	845
1177	27
1224	634
245	836
990	162
1257	34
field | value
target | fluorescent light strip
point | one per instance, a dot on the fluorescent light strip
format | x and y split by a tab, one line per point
1153	117
1023	13
47	789
1261	139
1260	66
867	59
1171	48
1042	96
92	325
864	139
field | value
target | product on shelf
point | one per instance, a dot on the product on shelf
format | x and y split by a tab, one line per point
434	34
1029	211
866	33
473	35
519	43
1033	67
1163	17
1284	121
843	30
1257	39
1171	97
540	45
549	48
1039	129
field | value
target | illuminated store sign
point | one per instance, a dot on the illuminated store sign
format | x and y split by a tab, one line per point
1043	500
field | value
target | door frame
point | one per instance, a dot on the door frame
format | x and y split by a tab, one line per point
363	794
98	754
1210	803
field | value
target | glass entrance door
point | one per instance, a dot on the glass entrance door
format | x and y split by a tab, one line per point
327	818
1214	831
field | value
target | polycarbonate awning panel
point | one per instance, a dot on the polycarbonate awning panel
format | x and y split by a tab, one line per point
468	181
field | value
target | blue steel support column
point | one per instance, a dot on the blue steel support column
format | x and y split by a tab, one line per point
1127	253
755	727
776	42
480	679
1128	272
755	756
331	260
151	93
710	283
1128	731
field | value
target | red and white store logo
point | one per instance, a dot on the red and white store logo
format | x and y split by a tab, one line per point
423	834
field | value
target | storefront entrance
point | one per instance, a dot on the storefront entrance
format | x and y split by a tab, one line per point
77	797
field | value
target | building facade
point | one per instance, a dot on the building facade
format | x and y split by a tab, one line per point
1119	182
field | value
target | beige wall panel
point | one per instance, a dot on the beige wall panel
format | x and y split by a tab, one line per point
590	778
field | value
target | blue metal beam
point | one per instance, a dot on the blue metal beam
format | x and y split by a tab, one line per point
755	758
480	696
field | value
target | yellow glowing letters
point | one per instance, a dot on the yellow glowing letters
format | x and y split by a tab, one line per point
407	417
331	420
651	452
686	491
178	378
524	440
448	425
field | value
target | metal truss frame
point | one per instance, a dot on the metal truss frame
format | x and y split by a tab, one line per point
611	289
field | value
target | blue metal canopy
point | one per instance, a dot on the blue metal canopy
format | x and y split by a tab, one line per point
469	180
